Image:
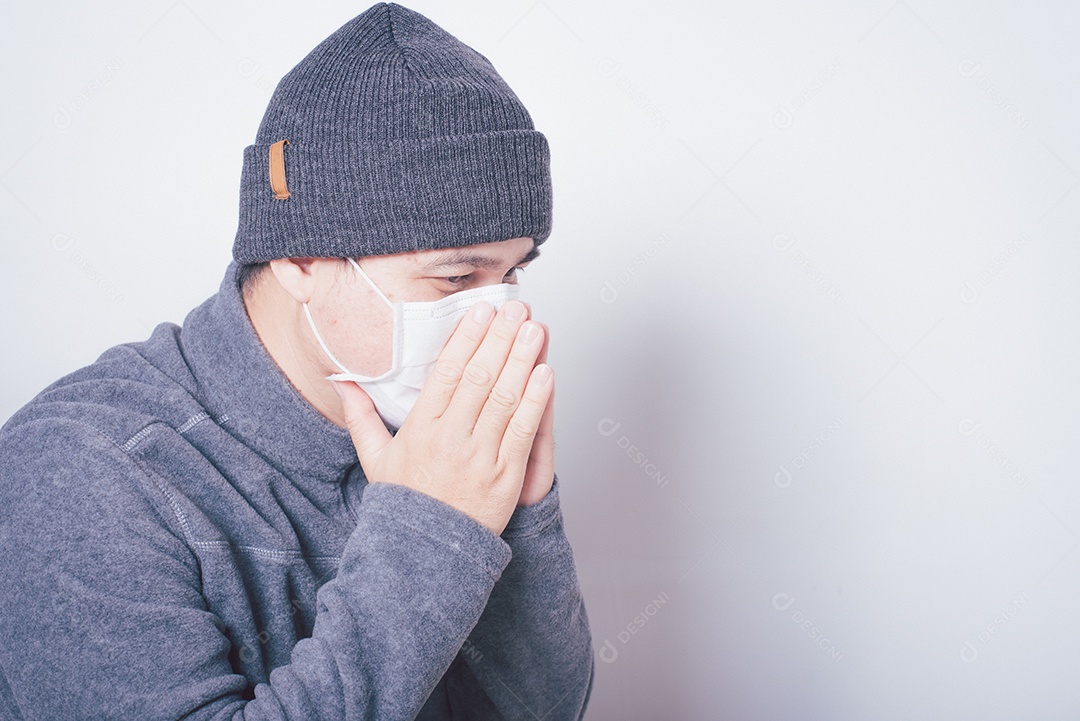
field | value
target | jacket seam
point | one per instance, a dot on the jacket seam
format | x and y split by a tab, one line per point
178	512
174	505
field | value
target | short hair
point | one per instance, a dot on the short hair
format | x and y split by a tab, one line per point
247	275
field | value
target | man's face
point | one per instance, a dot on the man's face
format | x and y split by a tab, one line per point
357	324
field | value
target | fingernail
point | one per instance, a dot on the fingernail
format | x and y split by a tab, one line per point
334	385
542	372
482	311
515	310
529	333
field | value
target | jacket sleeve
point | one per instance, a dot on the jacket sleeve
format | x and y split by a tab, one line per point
531	652
104	615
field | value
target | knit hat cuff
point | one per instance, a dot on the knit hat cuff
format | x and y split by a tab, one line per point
396	196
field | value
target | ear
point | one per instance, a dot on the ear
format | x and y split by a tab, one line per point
296	276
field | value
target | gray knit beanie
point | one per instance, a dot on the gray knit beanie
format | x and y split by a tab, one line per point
391	136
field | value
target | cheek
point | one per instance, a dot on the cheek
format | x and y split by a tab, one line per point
358	331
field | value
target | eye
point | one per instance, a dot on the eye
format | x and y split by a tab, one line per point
462	280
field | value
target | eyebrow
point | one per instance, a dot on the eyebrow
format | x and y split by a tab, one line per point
465	256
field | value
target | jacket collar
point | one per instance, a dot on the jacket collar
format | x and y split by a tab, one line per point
239	380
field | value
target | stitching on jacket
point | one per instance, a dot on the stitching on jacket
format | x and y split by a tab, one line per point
189	535
192	422
286	554
199	418
130	443
210	544
126	447
271	553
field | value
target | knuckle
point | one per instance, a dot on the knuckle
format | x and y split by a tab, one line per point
446	371
519	433
523	352
505	331
477	375
502	399
472	332
503	467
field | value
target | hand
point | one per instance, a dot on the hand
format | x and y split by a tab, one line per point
540	471
469	440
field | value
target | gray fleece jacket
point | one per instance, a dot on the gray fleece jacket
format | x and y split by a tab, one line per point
183	536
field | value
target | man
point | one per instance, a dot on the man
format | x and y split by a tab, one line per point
202	525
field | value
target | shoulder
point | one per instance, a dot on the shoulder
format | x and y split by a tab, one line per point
68	451
129	387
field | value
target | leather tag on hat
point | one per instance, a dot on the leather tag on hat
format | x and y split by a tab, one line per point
277	170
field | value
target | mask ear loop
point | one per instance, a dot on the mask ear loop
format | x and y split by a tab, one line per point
370	282
326	348
395	320
322	343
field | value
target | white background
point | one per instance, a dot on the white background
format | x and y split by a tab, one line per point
812	289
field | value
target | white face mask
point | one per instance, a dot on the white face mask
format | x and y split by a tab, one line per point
420	332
